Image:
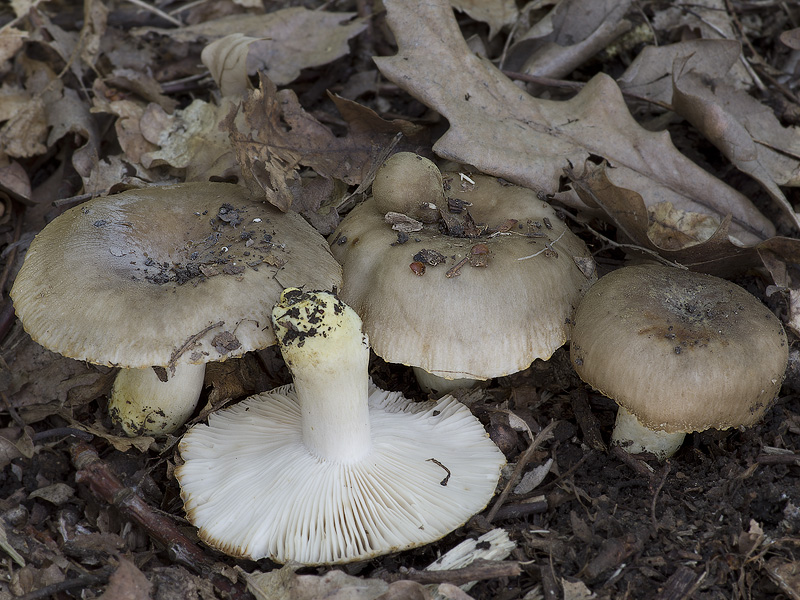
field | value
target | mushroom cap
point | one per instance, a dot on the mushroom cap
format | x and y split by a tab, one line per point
254	490
410	184
182	274
485	322
681	351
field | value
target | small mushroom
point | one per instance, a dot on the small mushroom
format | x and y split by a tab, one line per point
332	469
409	184
169	277
679	352
483	292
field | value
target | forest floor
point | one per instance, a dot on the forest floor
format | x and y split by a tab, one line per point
104	95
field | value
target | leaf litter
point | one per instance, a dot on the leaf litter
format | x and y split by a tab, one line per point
662	131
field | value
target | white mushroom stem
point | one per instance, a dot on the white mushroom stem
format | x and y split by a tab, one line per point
634	437
141	403
323	345
439	386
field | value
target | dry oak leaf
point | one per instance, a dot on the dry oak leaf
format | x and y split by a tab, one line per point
570	34
695	100
273	136
692	75
292	39
705	19
191	139
127	583
716	254
504	132
285	584
496	13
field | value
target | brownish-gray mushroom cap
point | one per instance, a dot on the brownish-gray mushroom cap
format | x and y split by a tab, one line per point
679	351
485	297
165	276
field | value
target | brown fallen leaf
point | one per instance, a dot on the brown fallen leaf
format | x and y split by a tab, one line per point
11	40
570	34
273	136
283	49
140	83
127	583
649	73
701	102
693	75
291	39
285	584
15	442
14	182
503	131
191	140
709	20
717	254
496	13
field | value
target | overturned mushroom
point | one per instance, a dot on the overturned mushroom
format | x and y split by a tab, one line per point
169	277
679	352
331	469
482	292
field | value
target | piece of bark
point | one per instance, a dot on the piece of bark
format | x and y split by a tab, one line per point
586	419
680	585
478	570
613	552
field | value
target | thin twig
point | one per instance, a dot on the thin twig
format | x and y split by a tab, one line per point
82	582
157	11
188	344
621	246
547	246
664	472
543	436
476	571
104	484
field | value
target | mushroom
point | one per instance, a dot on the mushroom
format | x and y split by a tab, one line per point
679	352
168	277
409	184
480	293
332	469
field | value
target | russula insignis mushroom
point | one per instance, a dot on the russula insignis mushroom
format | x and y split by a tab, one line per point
169	277
679	352
481	292
331	469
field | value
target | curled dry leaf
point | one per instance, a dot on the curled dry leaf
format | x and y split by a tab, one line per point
503	131
716	254
285	584
693	76
190	139
694	99
273	136
127	582
496	13
226	60
291	39
571	33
